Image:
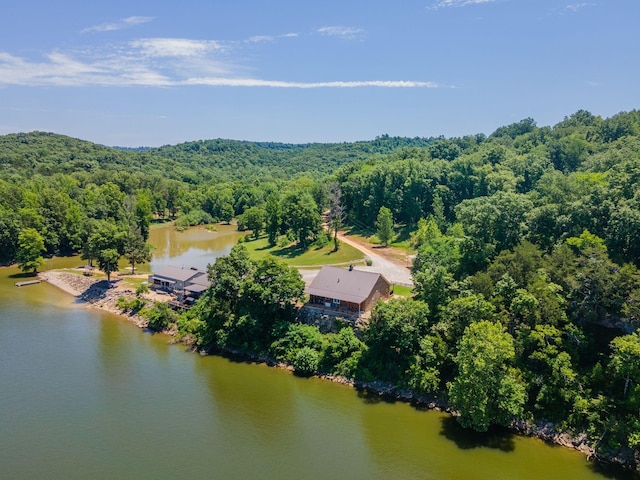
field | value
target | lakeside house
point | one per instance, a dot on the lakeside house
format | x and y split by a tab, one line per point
186	283
347	290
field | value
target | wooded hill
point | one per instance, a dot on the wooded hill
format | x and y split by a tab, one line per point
527	289
26	154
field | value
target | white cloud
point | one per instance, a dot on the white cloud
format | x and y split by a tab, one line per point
119	25
175	47
156	62
254	82
457	3
348	33
261	39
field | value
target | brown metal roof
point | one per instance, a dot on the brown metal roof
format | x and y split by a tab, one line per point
346	285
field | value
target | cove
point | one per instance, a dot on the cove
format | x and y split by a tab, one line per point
85	394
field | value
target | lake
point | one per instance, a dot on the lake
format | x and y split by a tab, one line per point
85	394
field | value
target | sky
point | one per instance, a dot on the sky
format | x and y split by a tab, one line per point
151	73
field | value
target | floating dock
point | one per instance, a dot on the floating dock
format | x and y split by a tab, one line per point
30	282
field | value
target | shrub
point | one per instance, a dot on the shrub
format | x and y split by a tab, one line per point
343	353
160	316
293	337
306	361
142	288
130	305
322	240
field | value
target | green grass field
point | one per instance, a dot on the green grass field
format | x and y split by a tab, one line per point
401	291
312	257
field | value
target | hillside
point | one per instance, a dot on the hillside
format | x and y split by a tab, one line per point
27	154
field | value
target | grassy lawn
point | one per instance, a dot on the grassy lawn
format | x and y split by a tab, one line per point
132	282
401	291
297	257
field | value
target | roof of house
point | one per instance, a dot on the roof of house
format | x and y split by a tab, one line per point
343	284
179	274
195	288
202	280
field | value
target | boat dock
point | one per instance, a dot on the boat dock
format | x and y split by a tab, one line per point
30	282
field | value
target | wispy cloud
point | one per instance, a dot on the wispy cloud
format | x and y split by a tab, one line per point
269	38
457	3
157	62
347	33
255	82
175	47
575	7
119	25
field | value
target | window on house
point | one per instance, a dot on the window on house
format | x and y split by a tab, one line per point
336	301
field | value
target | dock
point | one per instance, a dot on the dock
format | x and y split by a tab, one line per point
30	282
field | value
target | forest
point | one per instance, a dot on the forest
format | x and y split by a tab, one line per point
527	241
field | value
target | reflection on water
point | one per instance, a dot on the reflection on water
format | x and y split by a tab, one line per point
195	247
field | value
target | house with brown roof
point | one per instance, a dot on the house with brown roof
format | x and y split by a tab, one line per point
348	290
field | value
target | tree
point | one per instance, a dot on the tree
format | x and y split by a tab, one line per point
143	213
103	235
336	214
625	360
30	248
487	390
433	285
228	272
272	218
551	379
226	212
300	214
136	250
108	261
393	336
384	225
253	219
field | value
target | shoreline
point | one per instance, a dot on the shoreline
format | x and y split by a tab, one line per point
95	293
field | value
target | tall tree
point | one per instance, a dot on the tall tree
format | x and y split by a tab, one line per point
384	225
336	213
300	214
272	218
136	250
487	390
30	248
625	360
143	213
108	261
253	219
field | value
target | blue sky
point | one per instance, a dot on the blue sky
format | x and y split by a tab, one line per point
149	73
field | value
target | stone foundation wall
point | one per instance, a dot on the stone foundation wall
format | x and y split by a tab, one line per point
325	320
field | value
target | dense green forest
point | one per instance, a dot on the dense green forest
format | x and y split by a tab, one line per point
527	290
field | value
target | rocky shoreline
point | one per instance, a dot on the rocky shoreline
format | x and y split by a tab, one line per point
94	292
97	293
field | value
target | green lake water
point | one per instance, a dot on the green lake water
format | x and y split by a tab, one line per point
87	395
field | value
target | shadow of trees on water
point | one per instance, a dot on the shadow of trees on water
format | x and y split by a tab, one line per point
495	438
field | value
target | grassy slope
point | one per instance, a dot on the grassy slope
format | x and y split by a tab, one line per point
313	257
